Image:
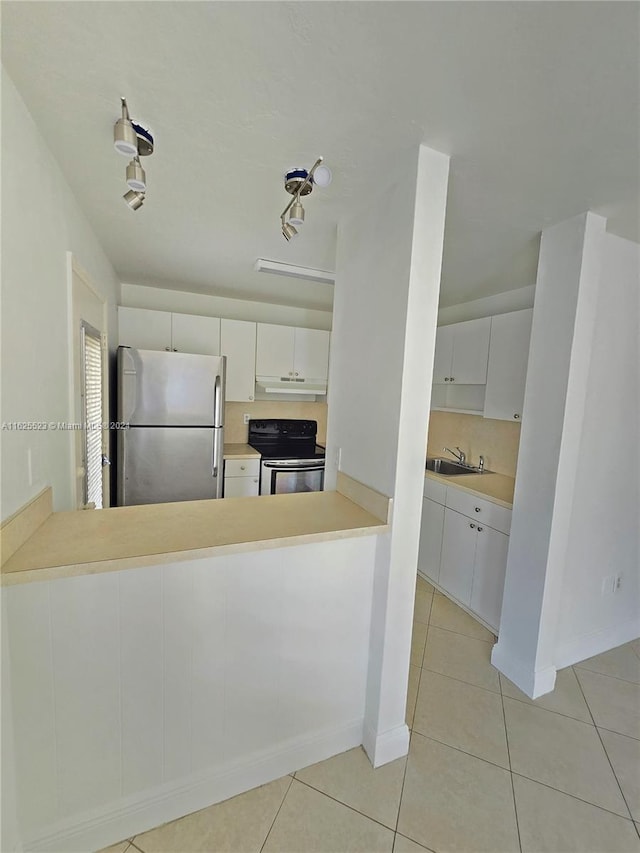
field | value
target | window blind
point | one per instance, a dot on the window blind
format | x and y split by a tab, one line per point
92	392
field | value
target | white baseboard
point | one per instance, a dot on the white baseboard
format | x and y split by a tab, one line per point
589	645
533	682
141	812
386	747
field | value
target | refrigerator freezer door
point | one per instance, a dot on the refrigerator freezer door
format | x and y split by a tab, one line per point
170	388
161	465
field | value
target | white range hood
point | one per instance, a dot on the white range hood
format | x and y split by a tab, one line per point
284	385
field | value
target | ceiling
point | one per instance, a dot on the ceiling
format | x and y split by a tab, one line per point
538	105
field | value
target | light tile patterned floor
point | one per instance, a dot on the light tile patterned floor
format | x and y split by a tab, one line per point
488	769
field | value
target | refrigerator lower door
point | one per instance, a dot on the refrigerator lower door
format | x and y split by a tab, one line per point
166	464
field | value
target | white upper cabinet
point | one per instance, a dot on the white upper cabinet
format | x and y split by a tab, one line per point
288	351
507	371
275	347
311	355
462	351
199	335
144	329
238	343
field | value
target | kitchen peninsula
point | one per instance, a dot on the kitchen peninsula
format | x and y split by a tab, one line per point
160	658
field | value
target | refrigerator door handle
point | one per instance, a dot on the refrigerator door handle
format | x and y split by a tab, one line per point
217	402
214	461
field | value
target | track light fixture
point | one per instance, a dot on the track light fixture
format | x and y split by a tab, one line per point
136	177
288	231
134	199
133	140
300	182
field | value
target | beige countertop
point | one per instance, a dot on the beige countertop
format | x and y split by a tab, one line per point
86	542
497	488
240	451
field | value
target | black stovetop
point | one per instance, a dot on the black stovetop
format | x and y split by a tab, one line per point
280	438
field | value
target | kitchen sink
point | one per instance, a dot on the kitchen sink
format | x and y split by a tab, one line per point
449	468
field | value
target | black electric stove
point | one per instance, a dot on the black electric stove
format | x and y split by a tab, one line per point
279	438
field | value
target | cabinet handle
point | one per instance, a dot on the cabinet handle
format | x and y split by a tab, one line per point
175	350
168	349
452	379
296	373
517	417
472	526
251	398
291	373
480	530
478	509
446	378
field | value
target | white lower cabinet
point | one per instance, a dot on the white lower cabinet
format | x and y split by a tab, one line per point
460	553
241	478
488	574
430	539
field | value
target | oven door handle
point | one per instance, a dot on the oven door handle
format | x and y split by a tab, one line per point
275	466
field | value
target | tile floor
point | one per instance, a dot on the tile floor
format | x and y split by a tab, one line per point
488	769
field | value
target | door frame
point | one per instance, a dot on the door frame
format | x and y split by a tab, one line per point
74	268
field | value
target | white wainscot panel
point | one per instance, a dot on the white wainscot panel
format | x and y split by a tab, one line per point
327	611
86	657
253	660
26	608
209	652
142	678
177	604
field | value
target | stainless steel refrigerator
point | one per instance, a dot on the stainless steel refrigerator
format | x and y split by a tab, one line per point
172	449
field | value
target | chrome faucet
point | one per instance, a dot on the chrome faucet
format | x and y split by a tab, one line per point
461	456
481	465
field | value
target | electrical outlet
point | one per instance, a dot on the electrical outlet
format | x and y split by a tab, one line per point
246	418
617	582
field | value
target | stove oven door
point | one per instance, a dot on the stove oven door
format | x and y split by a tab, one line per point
281	477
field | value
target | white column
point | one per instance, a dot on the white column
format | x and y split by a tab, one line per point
564	317
385	309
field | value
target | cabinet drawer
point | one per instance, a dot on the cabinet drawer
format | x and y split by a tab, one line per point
242	468
435	491
241	487
482	511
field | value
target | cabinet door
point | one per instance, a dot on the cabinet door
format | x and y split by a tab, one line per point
241	487
507	371
143	328
443	354
199	335
274	350
238	343
488	576
430	539
458	554
311	359
470	352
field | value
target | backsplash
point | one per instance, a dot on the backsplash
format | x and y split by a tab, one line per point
497	441
235	431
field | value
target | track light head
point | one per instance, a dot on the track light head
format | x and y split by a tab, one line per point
288	231
136	178
322	176
134	199
125	138
296	214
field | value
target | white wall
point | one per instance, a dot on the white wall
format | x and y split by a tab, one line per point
143	695
605	514
550	590
41	222
162	299
385	308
